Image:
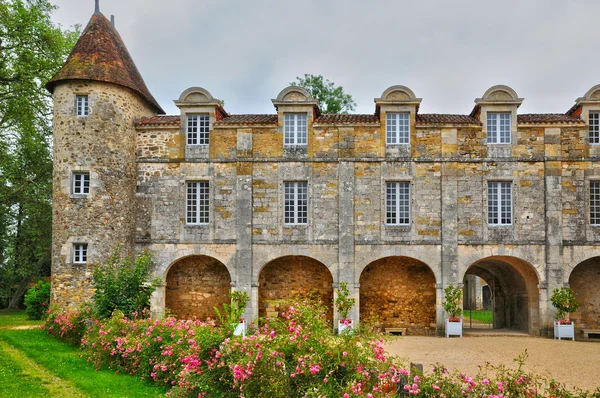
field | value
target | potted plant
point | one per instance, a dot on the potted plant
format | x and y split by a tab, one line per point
231	318
344	303
564	301
452	301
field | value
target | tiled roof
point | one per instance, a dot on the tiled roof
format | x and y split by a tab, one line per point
160	120
346	119
547	118
440	118
247	120
100	55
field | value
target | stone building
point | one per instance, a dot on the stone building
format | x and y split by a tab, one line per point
397	203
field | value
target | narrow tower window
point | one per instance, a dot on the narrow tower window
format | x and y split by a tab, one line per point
398	128
197	129
295	129
595	203
500	203
397	203
594	129
81	183
498	128
82	105
80	253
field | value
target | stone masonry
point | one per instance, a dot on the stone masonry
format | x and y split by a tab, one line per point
140	164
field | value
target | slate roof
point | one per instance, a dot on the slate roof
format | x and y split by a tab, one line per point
100	55
547	118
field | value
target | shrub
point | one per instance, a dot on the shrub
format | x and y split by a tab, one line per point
452	297
343	302
124	285
564	301
37	300
69	325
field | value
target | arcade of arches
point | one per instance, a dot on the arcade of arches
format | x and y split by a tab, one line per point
195	285
399	292
584	280
513	284
290	276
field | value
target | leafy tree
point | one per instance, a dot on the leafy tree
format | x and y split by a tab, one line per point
332	98
32	49
124	285
564	301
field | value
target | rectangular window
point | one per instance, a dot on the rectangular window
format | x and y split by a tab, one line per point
498	127
397	203
594	131
295	128
82	105
80	253
197	203
398	128
296	202
595	203
197	129
81	183
500	203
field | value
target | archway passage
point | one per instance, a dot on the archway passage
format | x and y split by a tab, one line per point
195	285
513	285
291	276
585	282
399	292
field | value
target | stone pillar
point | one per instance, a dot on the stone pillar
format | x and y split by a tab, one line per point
243	259
346	269
449	198
554	238
157	301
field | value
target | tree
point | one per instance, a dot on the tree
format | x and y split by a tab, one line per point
32	49
332	98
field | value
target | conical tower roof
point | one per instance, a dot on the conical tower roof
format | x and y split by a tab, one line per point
100	55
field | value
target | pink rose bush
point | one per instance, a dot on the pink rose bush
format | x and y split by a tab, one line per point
293	355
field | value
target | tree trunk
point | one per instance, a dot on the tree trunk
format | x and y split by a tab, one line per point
13	304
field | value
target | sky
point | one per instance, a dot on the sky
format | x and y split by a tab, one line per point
449	52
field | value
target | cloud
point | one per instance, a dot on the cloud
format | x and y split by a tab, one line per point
447	52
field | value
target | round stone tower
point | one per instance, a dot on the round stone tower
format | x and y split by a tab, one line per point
98	96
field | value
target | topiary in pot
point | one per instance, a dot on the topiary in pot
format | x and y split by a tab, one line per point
565	303
344	304
452	299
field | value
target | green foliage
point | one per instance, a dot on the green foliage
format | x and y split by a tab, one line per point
69	325
332	98
37	300
32	49
452	298
564	301
124	285
344	302
232	314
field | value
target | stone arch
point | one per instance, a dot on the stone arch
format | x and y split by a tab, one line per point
400	292
514	285
289	276
196	95
584	280
577	255
398	93
261	258
593	93
294	94
196	284
500	93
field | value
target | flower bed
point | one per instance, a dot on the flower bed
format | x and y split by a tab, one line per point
294	355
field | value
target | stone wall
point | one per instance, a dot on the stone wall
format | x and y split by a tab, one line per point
293	276
195	285
399	292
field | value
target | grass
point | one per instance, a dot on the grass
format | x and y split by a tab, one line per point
11	318
34	363
483	316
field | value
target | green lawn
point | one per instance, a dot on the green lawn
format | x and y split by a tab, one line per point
483	316
33	363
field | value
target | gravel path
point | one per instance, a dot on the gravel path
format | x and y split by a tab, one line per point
575	363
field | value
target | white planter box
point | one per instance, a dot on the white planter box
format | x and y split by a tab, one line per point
454	328
240	329
564	331
342	327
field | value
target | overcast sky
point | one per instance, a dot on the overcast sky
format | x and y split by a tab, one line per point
449	52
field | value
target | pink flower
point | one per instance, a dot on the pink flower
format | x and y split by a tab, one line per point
344	353
292	375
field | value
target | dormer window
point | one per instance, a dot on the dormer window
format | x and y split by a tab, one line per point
498	127
198	127
295	128
82	105
594	129
398	128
